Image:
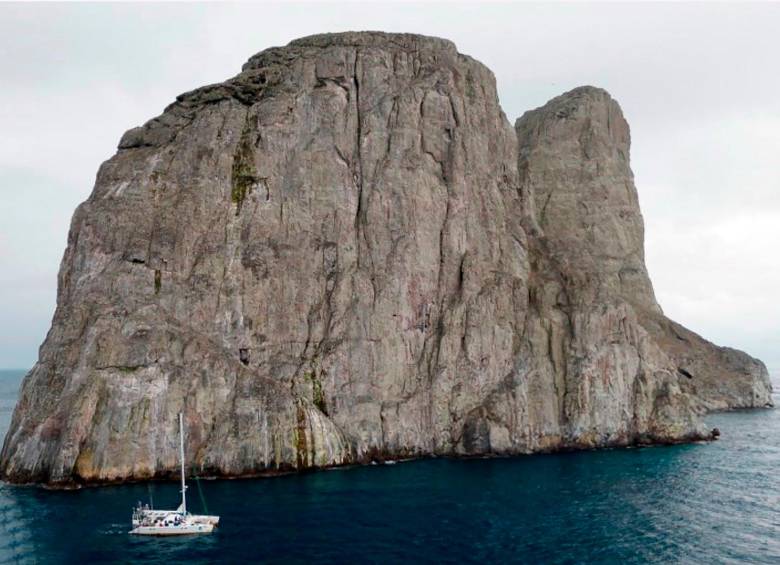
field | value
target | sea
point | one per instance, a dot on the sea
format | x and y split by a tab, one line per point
701	503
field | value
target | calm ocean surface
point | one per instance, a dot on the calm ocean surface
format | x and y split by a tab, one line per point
710	503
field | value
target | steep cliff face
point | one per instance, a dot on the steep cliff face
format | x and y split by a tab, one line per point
347	253
574	169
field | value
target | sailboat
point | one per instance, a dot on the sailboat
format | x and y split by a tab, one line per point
150	522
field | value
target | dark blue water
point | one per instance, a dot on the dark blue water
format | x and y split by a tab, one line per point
708	503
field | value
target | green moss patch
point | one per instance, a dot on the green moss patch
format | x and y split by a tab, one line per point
299	439
243	174
318	396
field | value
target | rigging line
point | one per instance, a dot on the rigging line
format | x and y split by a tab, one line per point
200	492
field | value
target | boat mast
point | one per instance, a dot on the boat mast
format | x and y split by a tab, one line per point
181	456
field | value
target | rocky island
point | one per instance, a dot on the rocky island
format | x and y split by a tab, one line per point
346	253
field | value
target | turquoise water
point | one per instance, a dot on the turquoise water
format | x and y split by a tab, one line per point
707	503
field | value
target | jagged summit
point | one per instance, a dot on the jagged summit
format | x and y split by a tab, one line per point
346	253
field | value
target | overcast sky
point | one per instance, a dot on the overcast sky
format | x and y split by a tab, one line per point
699	85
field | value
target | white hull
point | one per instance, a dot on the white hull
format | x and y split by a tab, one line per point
204	519
182	530
151	515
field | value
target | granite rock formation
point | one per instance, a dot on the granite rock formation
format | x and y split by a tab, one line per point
346	253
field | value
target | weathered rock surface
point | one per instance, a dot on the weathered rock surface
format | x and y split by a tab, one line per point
575	170
347	253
